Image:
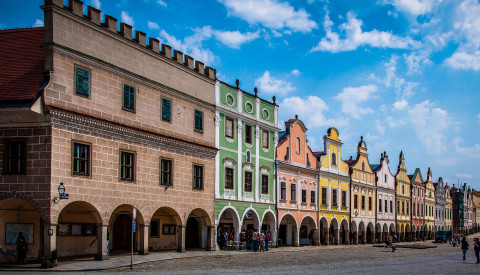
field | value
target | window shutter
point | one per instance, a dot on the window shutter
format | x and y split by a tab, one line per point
83	80
198	120
129	97
166	109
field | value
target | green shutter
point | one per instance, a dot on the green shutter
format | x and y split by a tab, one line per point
198	120
82	81
166	109
129	97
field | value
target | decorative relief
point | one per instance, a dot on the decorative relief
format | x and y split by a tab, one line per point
239	128
217	120
265	197
355	189
248	167
248	195
229	193
265	170
257	132
275	139
370	192
228	162
364	190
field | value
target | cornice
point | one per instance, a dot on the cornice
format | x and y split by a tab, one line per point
246	118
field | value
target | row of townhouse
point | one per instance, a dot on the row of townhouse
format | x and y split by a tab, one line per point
103	132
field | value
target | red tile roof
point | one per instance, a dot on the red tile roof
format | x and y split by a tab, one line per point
22	64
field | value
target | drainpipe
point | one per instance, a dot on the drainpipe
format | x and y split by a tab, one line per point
275	163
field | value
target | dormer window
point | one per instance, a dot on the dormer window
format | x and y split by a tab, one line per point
334	159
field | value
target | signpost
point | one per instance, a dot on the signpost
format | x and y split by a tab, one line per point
134	227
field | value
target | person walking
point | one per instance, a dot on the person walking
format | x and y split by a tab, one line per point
256	238
267	240
464	247
22	248
476	248
262	241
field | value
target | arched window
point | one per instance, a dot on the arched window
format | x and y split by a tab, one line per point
249	158
298	145
363	166
334	159
385	178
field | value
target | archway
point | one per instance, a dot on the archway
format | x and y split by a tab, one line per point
370	233
18	215
227	227
354	233
362	236
379	236
344	232
287	230
77	229
197	230
414	233
385	233
250	220
334	234
307	227
323	231
407	233
269	224
120	228
163	229
392	231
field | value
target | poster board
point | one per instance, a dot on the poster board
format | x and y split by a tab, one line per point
12	229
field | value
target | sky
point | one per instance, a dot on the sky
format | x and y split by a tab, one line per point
405	74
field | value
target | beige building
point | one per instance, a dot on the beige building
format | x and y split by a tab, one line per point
119	125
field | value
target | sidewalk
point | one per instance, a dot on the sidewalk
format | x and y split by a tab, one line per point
89	264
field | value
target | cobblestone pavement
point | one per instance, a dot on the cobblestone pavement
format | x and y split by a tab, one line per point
367	259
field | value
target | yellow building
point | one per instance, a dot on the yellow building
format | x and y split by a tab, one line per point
402	185
334	192
429	206
448	208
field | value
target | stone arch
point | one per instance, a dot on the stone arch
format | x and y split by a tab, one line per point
344	237
288	229
307	227
253	216
269	223
323	227
120	228
28	197
370	233
164	223
197	230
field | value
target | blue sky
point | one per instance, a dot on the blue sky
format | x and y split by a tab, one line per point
405	74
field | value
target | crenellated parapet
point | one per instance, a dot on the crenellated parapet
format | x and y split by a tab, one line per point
126	31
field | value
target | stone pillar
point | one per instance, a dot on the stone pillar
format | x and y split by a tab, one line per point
336	234
296	238
211	238
316	237
238	230
181	238
326	236
355	237
346	239
102	249
143	239
364	237
49	244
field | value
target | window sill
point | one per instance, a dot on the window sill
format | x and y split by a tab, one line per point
166	185
304	203
196	188
82	175
198	131
293	201
128	110
127	180
282	200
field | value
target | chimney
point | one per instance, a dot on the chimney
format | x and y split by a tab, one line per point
126	30
154	44
189	61
167	50
110	23
178	55
76	6
94	15
210	72
200	67
141	38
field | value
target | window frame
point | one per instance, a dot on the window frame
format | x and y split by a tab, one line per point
22	167
233	179
248	134
122	165
88	159
76	67
165	99
266	185
324	195
344	199
228	119
304	196
380	205
355	201
283	191
267	139
363	202
334	197
170	172
194	176
293	192
312	197
124	107
195	125
247	184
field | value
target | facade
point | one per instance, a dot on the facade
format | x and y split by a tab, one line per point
334	192
429	206
418	202
448	208
403	199
385	199
363	196
476	211
440	203
246	133
297	187
131	128
470	205
458	213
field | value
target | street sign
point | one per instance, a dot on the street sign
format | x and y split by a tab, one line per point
64	196
134	226
134	213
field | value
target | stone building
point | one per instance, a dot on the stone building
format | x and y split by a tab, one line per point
297	186
246	131
440	202
448	208
385	199
429	206
476	210
362	196
418	205
334	195
124	128
403	199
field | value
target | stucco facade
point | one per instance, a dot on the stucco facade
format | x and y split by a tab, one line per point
403	200
440	202
418	205
448	208
429	206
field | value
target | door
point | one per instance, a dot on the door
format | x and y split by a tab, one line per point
122	233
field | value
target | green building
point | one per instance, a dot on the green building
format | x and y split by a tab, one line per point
246	136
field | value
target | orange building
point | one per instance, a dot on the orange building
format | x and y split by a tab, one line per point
297	186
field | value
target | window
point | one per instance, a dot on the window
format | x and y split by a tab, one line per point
303	232
379	205
283	191
293	192
169	229
363	202
229	178
15	157
128	97
369	203
334	159
166	109
265	136
386	206
264	184
324	196
81	159
127	166
334	197
391	207
248	181
312	197
344	199
403	189
166	172
385	178
413	207
398	207
363	166
197	177
403	207
198	120
229	127
355	201
308	161
82	81
304	196
248	156
408	208
154	232
298	146
248	133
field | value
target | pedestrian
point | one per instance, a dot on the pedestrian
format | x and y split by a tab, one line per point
476	248
22	248
267	240
464	247
256	237
395	238
262	241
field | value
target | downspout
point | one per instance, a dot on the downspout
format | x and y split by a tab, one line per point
275	163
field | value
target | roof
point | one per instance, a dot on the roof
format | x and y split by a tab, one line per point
318	154
375	167
21	73
350	162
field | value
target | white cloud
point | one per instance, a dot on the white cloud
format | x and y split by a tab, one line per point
380	127
351	97
310	110
96	4
400	105
403	89
464	61
153	25
295	72
161	3
464	176
273	86
466	151
355	37
235	39
430	124
272	14
127	19
38	23
415	7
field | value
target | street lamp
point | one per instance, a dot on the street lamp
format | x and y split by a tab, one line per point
61	194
